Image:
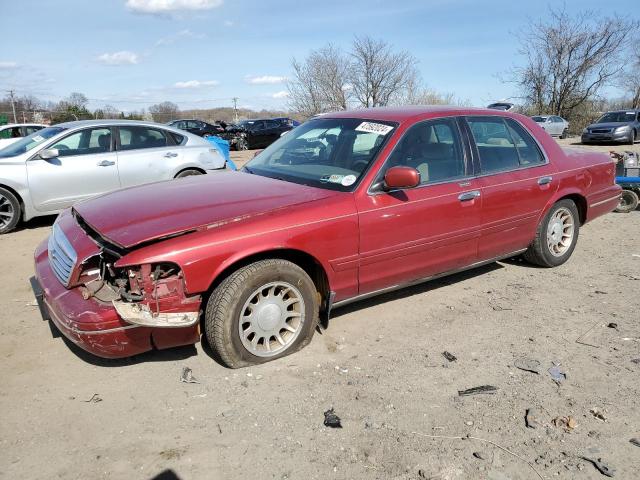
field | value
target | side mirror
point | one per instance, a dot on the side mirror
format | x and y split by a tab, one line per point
401	177
49	153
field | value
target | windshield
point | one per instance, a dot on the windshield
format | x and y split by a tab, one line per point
30	142
539	119
617	117
330	153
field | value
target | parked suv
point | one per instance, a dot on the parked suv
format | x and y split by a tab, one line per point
622	126
263	132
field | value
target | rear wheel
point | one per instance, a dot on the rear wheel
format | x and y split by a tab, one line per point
263	311
628	202
9	211
564	133
188	173
556	236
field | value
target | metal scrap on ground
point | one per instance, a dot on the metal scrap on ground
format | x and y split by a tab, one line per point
488	389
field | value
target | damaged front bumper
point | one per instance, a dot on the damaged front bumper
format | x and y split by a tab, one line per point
96	326
140	314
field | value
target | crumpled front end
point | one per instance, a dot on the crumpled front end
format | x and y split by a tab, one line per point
106	311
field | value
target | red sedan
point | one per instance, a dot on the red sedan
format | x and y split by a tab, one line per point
346	206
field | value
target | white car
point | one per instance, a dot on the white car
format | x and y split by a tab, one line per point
57	166
552	124
15	131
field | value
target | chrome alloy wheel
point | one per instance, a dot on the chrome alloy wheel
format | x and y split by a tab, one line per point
6	211
271	319
560	231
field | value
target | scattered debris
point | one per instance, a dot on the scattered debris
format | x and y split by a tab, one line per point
635	441
331	419
95	398
601	292
581	338
219	429
568	423
489	389
612	325
557	374
479	455
469	423
449	356
636	361
595	411
531	419
602	467
498	308
528	365
187	376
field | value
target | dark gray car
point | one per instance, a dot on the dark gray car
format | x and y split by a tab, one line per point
621	126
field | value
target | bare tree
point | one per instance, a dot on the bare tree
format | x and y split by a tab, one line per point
163	112
320	82
569	59
630	81
380	76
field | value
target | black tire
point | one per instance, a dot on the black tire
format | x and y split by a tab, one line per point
10	211
188	173
539	252
564	133
628	202
242	144
225	305
632	137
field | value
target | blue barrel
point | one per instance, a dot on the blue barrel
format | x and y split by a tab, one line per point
223	146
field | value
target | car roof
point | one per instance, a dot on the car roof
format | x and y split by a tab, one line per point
11	125
90	123
402	114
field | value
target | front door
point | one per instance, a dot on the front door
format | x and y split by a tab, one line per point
415	233
516	182
86	166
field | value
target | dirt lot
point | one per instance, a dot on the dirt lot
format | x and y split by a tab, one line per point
68	415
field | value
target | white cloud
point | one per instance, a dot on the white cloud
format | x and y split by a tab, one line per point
228	23
159	7
8	65
118	58
181	34
265	80
280	94
196	84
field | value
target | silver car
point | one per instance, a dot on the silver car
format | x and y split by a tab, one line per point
55	167
553	125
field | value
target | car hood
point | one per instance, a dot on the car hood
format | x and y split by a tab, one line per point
141	214
608	125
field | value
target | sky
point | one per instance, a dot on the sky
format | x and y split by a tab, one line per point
201	53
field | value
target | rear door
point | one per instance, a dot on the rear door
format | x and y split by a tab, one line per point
86	166
411	234
146	154
516	182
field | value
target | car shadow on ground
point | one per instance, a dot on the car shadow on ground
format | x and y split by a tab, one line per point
37	222
182	353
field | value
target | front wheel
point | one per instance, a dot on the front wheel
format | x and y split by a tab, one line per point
628	202
556	236
9	211
632	137
564	134
263	311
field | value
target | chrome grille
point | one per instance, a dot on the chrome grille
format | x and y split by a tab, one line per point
62	256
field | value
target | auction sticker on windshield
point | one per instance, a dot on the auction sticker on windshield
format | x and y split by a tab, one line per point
371	127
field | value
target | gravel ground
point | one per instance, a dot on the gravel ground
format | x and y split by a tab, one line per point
68	415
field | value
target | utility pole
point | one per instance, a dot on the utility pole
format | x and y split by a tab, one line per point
13	106
235	109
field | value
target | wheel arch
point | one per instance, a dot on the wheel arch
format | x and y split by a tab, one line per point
184	169
310	264
581	205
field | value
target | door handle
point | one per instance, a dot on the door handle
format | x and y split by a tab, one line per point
544	180
466	196
170	155
106	163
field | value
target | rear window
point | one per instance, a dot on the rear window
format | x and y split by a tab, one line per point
177	139
133	138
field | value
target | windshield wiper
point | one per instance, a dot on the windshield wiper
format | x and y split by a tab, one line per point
247	169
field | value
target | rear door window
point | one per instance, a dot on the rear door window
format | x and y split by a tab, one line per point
503	145
136	138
